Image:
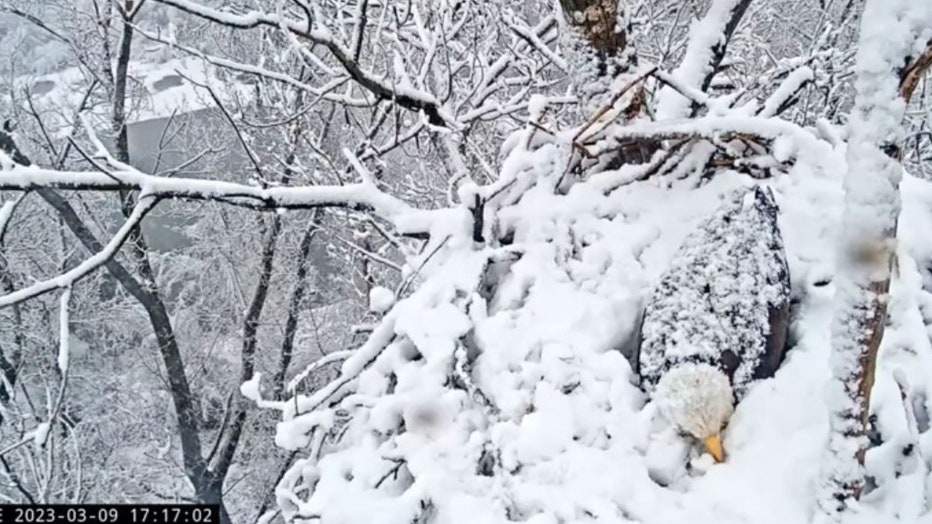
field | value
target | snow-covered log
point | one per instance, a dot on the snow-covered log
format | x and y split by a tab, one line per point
724	301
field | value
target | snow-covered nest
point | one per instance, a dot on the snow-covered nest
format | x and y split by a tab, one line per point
475	403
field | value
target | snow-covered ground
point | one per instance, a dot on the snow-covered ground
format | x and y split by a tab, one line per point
160	89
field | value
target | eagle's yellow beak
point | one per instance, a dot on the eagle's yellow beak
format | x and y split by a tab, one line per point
714	446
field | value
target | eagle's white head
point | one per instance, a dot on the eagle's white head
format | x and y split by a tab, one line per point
698	399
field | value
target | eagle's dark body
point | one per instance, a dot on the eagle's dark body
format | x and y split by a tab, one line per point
725	298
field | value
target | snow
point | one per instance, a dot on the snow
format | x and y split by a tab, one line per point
66	279
471	407
542	420
64	351
890	32
381	299
6	213
787	88
251	388
40	435
501	388
704	35
68	88
364	194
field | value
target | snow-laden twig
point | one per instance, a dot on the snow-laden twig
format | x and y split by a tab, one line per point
64	334
324	92
690	92
529	36
364	173
711	127
329	358
146	203
63	342
353	365
357	196
708	41
404	95
787	90
370	255
6	214
601	112
29	437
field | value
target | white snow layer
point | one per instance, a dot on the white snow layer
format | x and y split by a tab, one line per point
64	350
704	35
381	299
166	90
546	425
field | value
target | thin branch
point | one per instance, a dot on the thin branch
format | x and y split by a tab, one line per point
528	35
224	457
611	103
6	214
370	255
146	204
412	100
914	72
329	358
294	303
260	175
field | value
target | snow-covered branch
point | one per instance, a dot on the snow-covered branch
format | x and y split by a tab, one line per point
713	127
404	96
69	278
708	42
363	196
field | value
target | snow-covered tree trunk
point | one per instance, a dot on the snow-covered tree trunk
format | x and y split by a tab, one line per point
893	33
597	44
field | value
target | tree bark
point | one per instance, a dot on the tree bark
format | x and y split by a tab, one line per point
230	437
197	468
294	303
597	22
596	42
869	223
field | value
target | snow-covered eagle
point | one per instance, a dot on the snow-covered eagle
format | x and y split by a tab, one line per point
717	320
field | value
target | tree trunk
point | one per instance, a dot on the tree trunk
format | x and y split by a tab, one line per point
869	222
596	42
597	22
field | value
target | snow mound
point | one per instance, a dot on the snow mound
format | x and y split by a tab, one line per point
381	299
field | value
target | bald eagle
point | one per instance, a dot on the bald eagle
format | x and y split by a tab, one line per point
717	321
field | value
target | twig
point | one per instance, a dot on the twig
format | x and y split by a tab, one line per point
608	107
404	285
146	203
914	72
372	256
